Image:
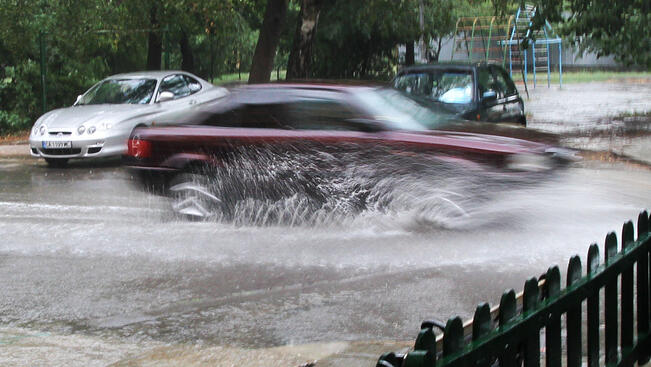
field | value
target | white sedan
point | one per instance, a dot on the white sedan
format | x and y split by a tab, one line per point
101	120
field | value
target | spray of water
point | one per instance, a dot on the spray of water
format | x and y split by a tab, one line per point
306	185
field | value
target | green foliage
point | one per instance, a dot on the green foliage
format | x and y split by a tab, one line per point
619	28
87	40
365	34
16	89
91	39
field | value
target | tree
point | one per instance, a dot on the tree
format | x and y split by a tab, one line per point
155	43
300	58
265	50
619	28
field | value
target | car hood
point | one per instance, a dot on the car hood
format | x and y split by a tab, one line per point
500	129
72	117
487	142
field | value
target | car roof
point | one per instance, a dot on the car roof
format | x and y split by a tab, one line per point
158	74
275	93
318	86
451	65
283	92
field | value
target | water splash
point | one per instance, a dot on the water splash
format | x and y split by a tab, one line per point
300	185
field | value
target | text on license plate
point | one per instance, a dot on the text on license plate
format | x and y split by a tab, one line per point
57	144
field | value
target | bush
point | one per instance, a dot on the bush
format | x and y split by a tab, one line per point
12	122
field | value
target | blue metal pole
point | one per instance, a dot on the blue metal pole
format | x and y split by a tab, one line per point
549	70
510	62
525	65
560	63
533	60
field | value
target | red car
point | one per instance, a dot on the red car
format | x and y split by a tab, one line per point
260	128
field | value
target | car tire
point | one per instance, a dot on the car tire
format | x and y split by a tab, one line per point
523	120
192	198
56	162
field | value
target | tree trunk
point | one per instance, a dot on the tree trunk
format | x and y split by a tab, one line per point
187	59
155	43
422	46
433	56
300	59
265	50
409	53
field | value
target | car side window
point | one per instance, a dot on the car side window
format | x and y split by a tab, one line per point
417	84
504	82
192	83
321	114
261	116
487	82
228	118
264	116
175	84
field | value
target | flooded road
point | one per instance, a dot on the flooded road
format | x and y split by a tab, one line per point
83	252
95	272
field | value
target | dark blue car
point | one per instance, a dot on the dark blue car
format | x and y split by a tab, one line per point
477	91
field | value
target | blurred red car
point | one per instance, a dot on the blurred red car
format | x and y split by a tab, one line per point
327	118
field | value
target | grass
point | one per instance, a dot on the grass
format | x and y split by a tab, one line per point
235	77
584	76
635	114
568	77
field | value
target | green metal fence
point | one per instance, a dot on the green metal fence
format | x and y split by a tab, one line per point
547	323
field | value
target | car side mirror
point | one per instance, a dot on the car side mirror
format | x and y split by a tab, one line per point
165	96
489	96
78	99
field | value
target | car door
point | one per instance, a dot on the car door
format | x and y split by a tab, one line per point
490	108
507	96
178	109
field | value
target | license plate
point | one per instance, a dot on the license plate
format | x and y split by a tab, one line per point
57	144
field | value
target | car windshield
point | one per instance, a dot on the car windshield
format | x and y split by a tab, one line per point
447	87
400	112
120	91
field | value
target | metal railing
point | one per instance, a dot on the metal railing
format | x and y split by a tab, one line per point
543	313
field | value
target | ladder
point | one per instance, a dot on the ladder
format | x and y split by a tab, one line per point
539	43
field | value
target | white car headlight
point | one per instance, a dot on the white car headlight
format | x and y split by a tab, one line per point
91	129
42	129
81	129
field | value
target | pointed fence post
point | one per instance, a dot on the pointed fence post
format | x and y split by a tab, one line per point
529	304
643	286
574	316
453	336
610	303
628	237
553	330
424	349
593	310
508	311
482	325
481	322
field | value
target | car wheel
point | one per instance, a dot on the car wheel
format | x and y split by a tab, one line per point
192	198
56	162
523	120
